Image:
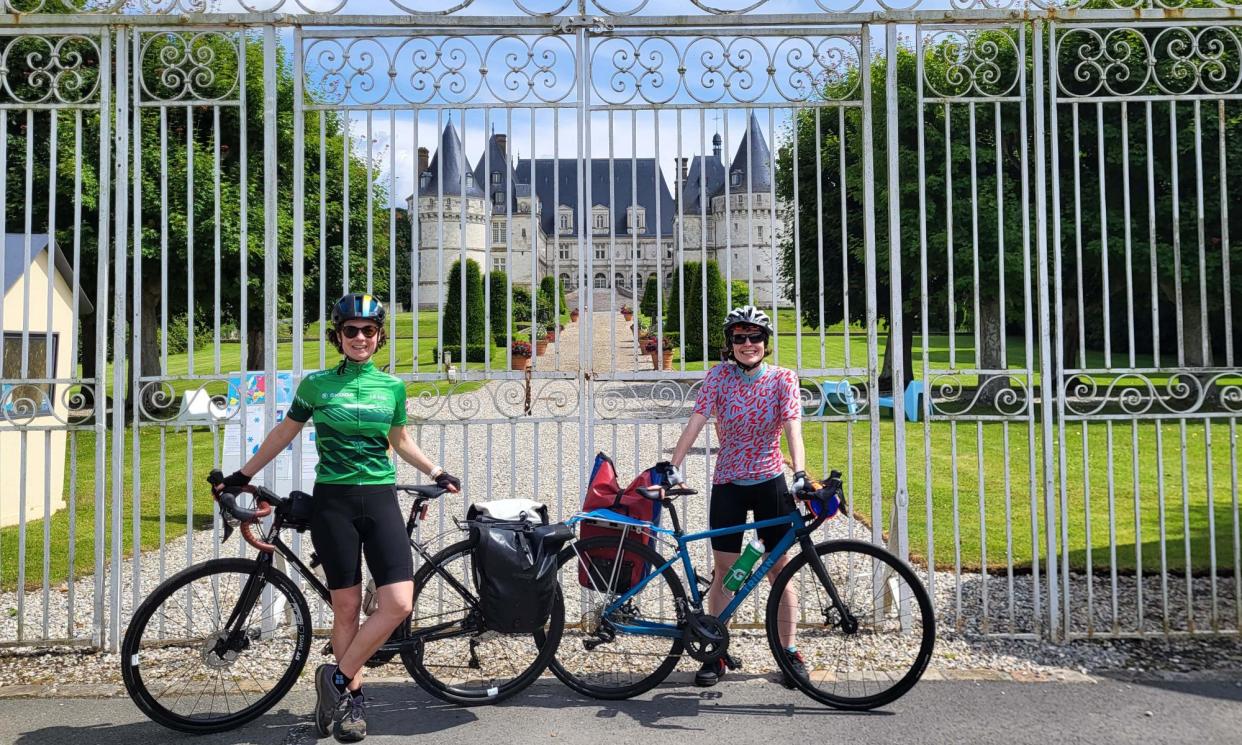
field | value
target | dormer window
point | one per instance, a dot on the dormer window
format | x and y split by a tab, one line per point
469	179
599	220
636	219
735	178
424	178
499	198
565	220
495	177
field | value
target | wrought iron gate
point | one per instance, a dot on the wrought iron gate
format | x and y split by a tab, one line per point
925	186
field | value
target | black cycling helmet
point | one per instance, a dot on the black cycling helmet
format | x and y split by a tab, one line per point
357	306
747	315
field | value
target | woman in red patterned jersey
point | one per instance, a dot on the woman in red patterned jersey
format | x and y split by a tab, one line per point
752	403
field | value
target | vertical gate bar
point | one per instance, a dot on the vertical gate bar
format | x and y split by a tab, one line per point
896	305
118	336
1112	521
75	341
103	240
416	243
1058	295
438	134
1200	228
659	236
346	134
586	346
461	243
1126	233
1164	565
489	238
951	285
972	148
920	115
215	209
243	259
49	359
1138	522
1004	358
771	164
24	365
1237	538
845	231
796	118
270	207
298	237
750	233
1100	149
1224	237
135	316
1045	362
534	249
323	239
1151	239
1175	180
819	249
371	201
873	363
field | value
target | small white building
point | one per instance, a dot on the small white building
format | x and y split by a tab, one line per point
37	325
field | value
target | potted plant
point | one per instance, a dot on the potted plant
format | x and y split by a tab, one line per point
541	340
661	351
627	312
521	354
573	315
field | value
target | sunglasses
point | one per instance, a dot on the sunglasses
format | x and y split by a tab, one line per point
352	331
752	338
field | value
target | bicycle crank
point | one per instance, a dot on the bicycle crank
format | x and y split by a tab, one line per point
705	637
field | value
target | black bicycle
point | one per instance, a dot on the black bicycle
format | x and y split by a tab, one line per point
219	643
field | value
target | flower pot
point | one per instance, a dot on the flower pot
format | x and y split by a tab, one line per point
573	315
520	362
551	336
627	316
667	360
541	346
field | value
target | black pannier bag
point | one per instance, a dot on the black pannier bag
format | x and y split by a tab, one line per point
515	570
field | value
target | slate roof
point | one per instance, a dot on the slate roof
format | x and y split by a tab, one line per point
497	160
758	163
15	263
715	171
648	175
451	150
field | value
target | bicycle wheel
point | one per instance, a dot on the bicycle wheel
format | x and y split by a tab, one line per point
593	659
884	656
472	665
175	661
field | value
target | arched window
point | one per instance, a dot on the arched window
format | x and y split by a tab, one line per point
566	280
601	281
619	280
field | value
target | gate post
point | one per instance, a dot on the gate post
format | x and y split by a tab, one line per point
1046	384
899	541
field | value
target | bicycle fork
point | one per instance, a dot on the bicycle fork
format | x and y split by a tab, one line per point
848	623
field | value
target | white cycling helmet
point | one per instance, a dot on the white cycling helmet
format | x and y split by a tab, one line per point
748	315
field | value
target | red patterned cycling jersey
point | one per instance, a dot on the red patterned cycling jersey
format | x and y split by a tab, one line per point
750	411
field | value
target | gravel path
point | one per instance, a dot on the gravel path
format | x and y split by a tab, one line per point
499	456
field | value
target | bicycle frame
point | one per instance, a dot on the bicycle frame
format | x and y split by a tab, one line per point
795	522
272	543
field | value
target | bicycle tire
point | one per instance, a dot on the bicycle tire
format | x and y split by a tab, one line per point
888	684
612	681
138	644
458	683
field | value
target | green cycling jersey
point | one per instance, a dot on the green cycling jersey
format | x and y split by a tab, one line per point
354	406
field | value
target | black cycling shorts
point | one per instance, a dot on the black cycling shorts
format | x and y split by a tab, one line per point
348	520
731	502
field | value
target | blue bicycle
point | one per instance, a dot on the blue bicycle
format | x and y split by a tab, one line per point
864	622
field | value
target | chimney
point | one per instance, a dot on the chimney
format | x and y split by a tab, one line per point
685	168
423	160
502	143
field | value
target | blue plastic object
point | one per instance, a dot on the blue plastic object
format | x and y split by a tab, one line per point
913	405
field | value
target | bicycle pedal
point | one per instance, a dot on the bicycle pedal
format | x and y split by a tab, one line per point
732	663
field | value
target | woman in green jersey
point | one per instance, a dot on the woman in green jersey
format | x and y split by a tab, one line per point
359	415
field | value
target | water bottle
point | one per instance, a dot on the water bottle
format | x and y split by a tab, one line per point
740	570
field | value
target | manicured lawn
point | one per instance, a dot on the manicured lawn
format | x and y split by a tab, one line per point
977	512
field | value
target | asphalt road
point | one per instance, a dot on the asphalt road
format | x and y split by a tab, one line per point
736	711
